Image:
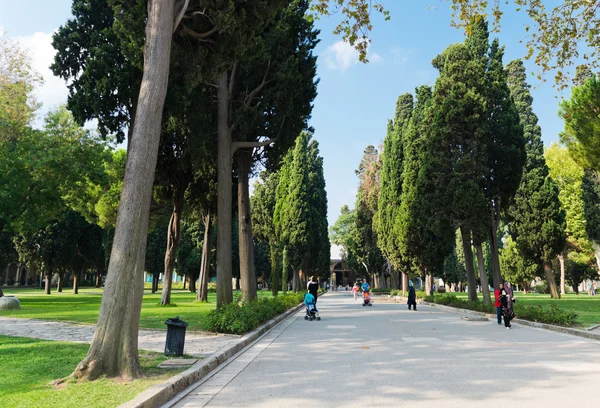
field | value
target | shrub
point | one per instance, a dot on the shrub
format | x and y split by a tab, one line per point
551	315
380	290
441	290
240	318
541	288
212	287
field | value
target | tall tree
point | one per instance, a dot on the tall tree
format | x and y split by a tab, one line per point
569	179
580	114
367	197
458	124
506	149
292	208
536	219
391	182
591	208
517	268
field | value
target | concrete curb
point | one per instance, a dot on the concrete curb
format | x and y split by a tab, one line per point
158	394
545	326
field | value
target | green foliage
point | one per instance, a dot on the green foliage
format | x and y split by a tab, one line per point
537	221
454	271
582	124
551	315
591	203
517	268
240	318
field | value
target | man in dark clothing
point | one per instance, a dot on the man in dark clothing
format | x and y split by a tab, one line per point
412	296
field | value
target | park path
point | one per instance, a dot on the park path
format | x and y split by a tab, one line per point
198	344
386	355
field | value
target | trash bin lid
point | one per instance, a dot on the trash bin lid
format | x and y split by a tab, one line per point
175	321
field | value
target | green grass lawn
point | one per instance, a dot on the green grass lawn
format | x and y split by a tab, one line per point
84	307
587	307
27	366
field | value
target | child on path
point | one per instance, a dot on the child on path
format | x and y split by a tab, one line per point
355	291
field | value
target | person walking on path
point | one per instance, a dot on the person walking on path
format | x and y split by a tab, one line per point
498	303
355	291
507	299
313	287
412	296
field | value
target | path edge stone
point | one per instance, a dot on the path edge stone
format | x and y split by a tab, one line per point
545	326
158	394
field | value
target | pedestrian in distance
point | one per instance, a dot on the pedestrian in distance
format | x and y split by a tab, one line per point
498	302
412	296
507	298
355	291
313	287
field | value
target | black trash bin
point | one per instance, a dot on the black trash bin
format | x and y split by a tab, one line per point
175	336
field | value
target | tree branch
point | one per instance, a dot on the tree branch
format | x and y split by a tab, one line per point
232	78
252	94
180	14
248	145
199	36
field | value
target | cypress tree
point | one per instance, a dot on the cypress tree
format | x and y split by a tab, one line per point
459	131
506	149
391	181
536	219
319	246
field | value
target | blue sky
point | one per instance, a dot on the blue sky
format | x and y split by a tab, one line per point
355	100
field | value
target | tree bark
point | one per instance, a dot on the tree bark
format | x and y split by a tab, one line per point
61	282
561	260
468	253
76	277
173	236
284	272
296	285
202	292
485	287
155	279
246	245
114	348
404	283
98	276
48	285
495	258
224	196
275	286
550	281
394	277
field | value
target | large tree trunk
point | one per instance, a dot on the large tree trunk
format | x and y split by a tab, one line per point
495	258
296	284
173	236
48	281
485	287
202	293
191	284
468	253
561	260
404	283
246	245
155	279
275	284
114	348
224	197
61	282
394	277
76	277
550	281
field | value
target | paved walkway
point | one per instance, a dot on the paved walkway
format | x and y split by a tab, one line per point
198	344
386	355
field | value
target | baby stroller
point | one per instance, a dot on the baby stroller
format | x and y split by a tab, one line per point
367	299
311	308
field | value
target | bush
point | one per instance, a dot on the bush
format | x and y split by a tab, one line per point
552	315
240	318
212	287
541	288
380	290
441	290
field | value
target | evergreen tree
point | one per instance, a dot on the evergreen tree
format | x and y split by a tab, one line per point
318	256
423	238
536	220
391	181
517	268
591	208
458	126
506	149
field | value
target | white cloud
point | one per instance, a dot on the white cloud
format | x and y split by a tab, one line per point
341	56
54	90
401	55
